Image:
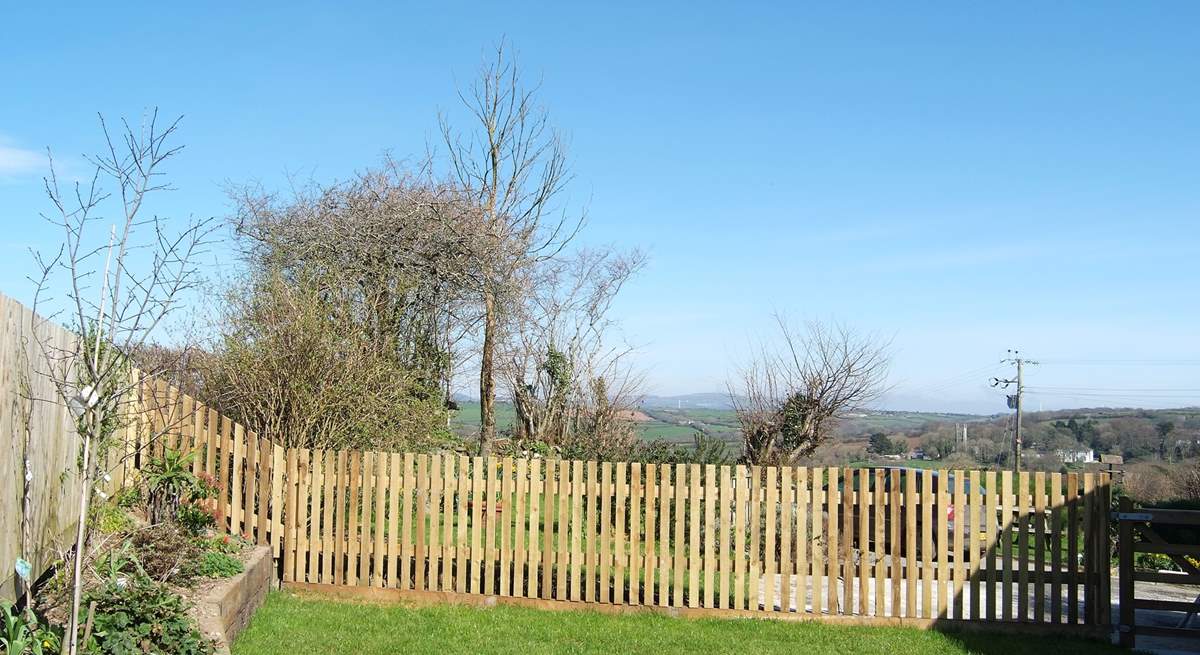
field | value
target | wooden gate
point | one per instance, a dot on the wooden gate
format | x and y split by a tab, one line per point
1141	531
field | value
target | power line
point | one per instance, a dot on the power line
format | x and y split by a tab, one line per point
955	380
1121	362
1118	389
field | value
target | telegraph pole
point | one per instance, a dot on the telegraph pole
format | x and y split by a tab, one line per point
1014	400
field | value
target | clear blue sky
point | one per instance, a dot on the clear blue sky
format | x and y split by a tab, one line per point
960	179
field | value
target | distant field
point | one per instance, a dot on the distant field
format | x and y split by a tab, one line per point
672	426
679	425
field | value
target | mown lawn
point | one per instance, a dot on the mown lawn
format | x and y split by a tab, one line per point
293	625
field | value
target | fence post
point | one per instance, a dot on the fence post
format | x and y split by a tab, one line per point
1125	575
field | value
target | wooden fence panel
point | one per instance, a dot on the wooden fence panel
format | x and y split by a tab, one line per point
966	545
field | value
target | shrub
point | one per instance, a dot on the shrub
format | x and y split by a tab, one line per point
111	518
142	616
195	518
219	565
1154	562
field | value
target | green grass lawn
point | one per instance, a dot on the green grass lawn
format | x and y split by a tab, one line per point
293	625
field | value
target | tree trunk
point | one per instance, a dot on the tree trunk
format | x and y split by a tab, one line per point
487	376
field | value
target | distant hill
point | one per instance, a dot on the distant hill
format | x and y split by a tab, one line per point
689	401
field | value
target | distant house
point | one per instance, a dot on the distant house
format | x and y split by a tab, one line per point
1080	456
917	454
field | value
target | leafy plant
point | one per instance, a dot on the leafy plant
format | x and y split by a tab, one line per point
224	544
119	561
170	481
143	616
219	565
129	497
24	634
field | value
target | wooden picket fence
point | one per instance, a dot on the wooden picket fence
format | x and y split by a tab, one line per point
1029	548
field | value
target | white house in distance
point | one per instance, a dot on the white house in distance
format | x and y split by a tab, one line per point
1080	456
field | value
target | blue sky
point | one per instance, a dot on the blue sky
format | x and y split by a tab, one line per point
959	179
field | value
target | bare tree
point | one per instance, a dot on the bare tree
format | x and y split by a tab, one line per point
118	290
511	166
788	397
565	366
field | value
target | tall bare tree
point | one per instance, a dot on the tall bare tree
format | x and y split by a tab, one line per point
116	287
512	166
790	394
565	366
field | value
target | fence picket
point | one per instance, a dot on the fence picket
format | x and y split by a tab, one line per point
709	494
785	538
1072	529
1022	564
770	513
649	498
909	554
756	498
818	540
366	544
847	547
833	542
635	528
863	506
895	568
536	493
592	532
562	554
974	524
724	539
504	509
665	489
379	519
992	543
303	480
1089	547
1006	537
880	508
576	583
290	512
802	545
927	514
237	447
679	564
1039	534
520	499
606	520
694	563
1056	546
263	493
316	484
942	534
395	554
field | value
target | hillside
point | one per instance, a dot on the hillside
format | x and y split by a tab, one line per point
677	418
